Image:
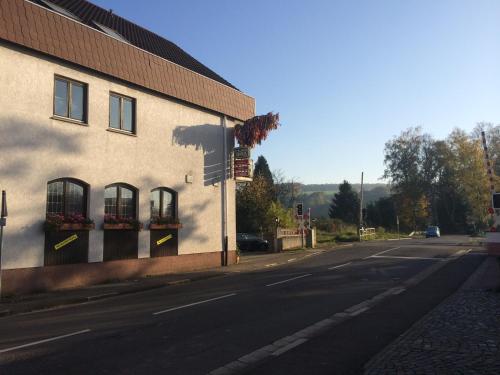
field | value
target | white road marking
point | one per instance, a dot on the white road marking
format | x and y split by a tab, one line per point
294	340
271	264
410	258
291	260
357	312
43	341
287	280
382	252
289	347
194	304
398	291
97	296
460	252
340	266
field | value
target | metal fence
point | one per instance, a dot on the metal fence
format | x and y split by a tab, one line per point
366	233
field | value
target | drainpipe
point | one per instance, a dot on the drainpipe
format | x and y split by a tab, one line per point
3	222
224	193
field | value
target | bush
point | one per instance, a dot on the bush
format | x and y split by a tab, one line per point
380	230
346	237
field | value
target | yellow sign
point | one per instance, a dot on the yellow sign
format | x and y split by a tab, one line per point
65	242
164	239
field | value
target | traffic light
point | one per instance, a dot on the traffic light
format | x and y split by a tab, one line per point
300	209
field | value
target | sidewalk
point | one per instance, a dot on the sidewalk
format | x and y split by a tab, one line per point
460	336
249	262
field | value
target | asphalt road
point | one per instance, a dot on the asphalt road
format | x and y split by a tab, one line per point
200	327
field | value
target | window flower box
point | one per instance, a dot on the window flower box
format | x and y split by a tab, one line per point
113	222
57	222
123	226
76	226
157	226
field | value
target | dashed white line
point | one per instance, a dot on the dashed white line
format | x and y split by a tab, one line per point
193	304
43	341
271	264
357	312
287	280
339	266
291	260
410	258
289	347
383	252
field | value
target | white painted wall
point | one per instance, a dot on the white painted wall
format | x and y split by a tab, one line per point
172	140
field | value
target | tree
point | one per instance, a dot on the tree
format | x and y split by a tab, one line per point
252	203
262	169
411	166
470	175
382	213
284	215
287	191
345	204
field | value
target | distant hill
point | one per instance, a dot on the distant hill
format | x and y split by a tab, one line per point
319	196
333	188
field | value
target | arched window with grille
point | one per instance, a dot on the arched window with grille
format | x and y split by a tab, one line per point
120	201
67	197
67	223
121	227
164	226
163	203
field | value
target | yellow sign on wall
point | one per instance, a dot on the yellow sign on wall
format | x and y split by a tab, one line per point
65	242
164	239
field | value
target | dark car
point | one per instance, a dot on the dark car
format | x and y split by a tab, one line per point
432	232
249	242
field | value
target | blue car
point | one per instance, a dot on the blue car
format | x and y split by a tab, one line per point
432	232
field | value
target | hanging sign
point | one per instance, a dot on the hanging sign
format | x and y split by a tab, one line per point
242	153
65	242
164	239
242	164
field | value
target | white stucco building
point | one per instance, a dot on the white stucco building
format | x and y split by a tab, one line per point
106	127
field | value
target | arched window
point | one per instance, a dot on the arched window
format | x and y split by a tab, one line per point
163	203
67	196
120	200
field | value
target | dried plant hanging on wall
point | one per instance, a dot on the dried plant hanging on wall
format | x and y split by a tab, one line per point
256	129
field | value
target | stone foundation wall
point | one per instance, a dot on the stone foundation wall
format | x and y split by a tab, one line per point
38	279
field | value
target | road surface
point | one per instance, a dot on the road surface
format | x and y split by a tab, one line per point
258	322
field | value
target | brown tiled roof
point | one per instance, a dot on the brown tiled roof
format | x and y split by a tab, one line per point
177	75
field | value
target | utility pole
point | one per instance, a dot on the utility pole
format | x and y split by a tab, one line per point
397	222
361	207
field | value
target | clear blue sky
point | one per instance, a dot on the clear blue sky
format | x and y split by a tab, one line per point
345	76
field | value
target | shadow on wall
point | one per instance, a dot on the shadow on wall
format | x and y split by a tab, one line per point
21	144
209	139
24	142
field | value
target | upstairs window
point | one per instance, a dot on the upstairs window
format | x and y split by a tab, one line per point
122	113
163	203
70	99
67	197
120	201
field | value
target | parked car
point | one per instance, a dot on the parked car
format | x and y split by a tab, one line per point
432	232
249	242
